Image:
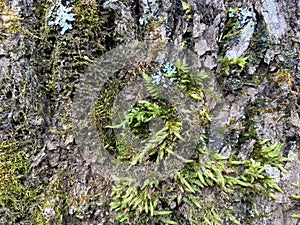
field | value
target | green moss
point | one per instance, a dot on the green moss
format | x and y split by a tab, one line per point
231	65
20	200
283	77
54	202
61	58
10	22
17	198
139	117
237	30
56	64
230	27
92	20
205	191
52	205
200	193
297	198
188	9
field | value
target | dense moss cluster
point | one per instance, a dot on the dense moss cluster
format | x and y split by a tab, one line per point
10	22
205	190
15	195
20	197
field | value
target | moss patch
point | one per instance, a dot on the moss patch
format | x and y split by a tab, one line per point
206	189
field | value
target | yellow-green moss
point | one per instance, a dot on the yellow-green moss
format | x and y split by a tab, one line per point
205	190
297	198
16	196
56	64
10	22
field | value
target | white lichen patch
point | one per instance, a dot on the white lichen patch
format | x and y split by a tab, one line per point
63	17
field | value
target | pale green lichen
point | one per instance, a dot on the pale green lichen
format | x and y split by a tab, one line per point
151	11
63	17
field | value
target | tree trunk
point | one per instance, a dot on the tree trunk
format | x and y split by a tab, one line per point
42	67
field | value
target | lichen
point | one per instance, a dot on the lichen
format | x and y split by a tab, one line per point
151	12
62	18
237	38
237	32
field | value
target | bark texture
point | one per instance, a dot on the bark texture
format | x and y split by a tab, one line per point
40	69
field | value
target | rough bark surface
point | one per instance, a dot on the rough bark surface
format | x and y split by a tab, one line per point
36	111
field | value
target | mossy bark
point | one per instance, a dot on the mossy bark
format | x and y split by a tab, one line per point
40	70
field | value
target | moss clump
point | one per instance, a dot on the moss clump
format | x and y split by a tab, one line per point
21	199
10	22
237	32
203	192
55	201
148	110
17	198
61	58
95	24
41	196
283	77
230	28
206	188
231	65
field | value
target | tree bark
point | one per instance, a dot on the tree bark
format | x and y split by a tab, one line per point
40	70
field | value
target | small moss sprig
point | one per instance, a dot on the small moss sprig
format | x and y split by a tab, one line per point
297	198
188	9
178	74
232	65
138	121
